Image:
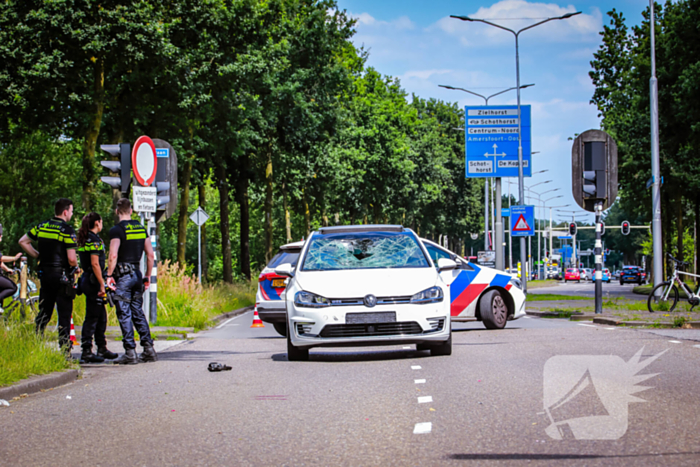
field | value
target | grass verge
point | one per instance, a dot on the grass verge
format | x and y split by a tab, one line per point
550	297
562	313
23	353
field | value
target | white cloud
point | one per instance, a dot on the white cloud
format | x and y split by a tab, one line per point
423	74
516	14
365	20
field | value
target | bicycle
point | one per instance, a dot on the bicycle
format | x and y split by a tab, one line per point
31	292
664	297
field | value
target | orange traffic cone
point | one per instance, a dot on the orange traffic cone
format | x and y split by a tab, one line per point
73	341
257	322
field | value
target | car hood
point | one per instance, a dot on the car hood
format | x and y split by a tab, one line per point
360	282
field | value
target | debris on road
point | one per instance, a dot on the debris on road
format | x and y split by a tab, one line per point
214	366
4	402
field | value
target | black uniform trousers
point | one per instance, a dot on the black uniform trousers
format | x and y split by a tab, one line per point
54	293
95	323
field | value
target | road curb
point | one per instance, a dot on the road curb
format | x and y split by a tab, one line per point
231	314
35	384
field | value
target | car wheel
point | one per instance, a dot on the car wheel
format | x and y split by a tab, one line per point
281	328
295	354
494	311
442	349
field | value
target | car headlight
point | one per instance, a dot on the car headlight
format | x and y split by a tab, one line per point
310	300
516	283
431	295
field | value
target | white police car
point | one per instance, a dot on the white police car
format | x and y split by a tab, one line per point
269	298
366	285
478	293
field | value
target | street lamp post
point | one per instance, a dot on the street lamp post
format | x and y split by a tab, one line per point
657	247
521	185
497	219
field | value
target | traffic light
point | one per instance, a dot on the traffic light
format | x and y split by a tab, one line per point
572	229
625	228
121	167
594	170
163	197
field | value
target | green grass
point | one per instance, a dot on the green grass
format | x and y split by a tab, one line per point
23	353
536	284
548	297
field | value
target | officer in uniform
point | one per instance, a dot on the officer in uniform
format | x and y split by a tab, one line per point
58	263
91	250
128	241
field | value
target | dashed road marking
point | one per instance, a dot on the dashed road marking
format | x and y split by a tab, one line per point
610	329
425	399
407	347
226	322
675	342
422	381
415	367
587	325
698	346
422	428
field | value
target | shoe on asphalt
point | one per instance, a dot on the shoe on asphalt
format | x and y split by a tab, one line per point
89	357
129	358
149	354
106	354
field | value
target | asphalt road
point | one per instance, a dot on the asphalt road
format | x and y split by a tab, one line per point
483	405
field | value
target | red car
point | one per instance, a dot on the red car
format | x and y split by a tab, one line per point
572	274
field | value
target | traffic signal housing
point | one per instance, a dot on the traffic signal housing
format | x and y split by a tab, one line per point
121	166
594	170
572	229
625	228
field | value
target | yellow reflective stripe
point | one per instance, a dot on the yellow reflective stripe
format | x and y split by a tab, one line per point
136	236
50	236
48	229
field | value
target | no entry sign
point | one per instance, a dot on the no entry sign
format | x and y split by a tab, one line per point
144	161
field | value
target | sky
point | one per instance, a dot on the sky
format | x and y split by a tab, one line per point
419	43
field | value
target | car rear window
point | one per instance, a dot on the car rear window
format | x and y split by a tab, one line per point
364	250
569	270
284	257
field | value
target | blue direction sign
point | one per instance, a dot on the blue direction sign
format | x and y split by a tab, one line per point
492	141
522	221
505	212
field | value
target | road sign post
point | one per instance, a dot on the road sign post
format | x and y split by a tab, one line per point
199	217
598	260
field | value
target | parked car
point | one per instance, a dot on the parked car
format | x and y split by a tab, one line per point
269	299
631	274
469	283
366	285
572	274
606	275
586	274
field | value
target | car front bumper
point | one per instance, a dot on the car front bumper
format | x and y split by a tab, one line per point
319	327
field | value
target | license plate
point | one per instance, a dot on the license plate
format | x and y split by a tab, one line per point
362	318
278	283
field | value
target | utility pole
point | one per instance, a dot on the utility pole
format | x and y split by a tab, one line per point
657	246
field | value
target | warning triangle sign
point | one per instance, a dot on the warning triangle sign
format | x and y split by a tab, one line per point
521	225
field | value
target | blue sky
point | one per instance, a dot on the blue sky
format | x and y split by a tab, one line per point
420	44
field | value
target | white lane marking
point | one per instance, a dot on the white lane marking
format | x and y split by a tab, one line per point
425	399
225	323
698	346
407	347
422	428
422	381
527	317
675	342
588	325
415	367
610	329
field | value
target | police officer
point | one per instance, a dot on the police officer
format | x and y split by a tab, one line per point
128	241
58	263
91	250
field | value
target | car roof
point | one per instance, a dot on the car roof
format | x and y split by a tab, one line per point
361	228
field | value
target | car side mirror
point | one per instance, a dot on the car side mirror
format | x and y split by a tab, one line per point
445	264
285	270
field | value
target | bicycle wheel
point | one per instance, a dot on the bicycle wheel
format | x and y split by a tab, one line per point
666	301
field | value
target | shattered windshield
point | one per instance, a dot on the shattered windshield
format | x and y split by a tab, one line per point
366	250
